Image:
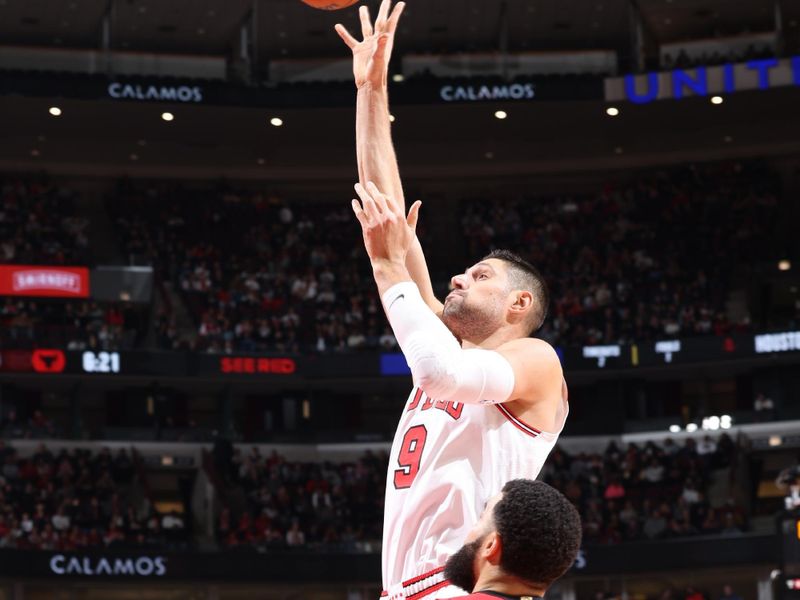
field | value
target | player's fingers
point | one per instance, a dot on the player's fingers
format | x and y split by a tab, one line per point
370	208
382	202
366	25
383	43
413	215
395	17
345	35
380	199
383	14
359	212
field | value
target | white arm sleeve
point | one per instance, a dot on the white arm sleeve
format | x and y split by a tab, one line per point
440	367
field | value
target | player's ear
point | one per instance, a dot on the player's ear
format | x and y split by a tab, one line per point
492	548
523	301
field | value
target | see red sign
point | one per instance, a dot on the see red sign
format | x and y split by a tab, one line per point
249	365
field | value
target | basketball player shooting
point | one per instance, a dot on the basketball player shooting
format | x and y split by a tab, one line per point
488	401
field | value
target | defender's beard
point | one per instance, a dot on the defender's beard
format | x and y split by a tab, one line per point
460	568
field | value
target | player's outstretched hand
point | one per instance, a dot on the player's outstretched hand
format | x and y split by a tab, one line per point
388	231
371	55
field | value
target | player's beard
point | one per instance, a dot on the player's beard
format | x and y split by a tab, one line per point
460	568
468	322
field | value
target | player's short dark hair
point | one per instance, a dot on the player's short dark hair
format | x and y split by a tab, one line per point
524	276
540	531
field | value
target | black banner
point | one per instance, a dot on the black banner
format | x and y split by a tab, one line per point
659	354
307	95
249	565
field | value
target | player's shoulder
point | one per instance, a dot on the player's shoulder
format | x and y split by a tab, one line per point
534	348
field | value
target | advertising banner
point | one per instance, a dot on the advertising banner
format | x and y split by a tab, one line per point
44	281
250	565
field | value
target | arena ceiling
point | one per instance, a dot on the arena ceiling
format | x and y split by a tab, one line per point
108	138
288	28
451	144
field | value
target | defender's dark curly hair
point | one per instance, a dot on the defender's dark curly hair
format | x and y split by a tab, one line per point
523	275
540	531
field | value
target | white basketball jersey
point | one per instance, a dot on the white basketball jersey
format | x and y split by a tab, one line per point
447	460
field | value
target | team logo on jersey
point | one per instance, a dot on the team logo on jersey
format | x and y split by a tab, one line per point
453	409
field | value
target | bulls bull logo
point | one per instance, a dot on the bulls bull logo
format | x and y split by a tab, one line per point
48	361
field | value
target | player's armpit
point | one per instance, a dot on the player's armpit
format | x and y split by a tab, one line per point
537	370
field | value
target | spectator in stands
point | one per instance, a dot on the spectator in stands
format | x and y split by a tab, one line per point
295	536
614	242
728	593
65	501
297	503
636	492
764	407
693	594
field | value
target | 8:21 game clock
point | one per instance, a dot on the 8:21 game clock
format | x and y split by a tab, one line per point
101	362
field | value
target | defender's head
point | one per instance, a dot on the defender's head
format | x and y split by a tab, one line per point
502	290
529	534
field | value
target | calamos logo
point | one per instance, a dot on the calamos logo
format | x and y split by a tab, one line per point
89	566
479	93
166	93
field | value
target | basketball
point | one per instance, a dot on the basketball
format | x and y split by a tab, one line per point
330	4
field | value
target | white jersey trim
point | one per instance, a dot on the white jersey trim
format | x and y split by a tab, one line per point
518	423
420	586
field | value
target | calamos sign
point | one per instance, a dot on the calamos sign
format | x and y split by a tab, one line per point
101	566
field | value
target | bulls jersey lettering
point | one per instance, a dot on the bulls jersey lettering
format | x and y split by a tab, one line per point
451	408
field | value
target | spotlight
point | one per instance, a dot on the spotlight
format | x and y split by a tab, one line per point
612	111
717	100
398	78
167	116
691	427
276	121
784	265
391	119
674	428
500	114
55	111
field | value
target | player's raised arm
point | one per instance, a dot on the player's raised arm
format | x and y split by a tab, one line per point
375	153
521	370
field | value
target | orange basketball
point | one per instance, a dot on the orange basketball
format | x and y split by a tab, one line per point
330	4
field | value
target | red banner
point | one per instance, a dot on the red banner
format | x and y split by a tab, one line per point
249	365
55	282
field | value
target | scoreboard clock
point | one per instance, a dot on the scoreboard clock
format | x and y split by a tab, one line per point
100	362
